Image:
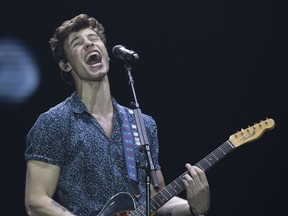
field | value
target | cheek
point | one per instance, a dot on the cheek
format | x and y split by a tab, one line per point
106	55
75	56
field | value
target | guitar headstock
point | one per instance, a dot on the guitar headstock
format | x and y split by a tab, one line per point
251	133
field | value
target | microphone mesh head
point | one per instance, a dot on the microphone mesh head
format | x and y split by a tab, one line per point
116	50
121	52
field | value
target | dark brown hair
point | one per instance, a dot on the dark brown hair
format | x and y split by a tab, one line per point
75	24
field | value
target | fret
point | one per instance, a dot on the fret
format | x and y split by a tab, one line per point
153	206
215	156
211	159
177	185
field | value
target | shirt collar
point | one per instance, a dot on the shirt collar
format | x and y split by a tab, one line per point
79	107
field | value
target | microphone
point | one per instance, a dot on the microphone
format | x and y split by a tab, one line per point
124	54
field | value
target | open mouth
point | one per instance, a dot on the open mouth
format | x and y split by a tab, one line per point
93	57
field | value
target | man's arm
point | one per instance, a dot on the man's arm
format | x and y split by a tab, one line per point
41	182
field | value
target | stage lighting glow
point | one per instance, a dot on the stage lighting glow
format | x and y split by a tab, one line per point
19	75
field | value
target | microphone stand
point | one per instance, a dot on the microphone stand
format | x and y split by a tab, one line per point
150	169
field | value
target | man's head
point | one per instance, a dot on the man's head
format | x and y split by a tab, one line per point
77	23
62	33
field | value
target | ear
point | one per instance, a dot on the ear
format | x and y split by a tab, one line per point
65	66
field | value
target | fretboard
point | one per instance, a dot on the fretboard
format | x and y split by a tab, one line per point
177	185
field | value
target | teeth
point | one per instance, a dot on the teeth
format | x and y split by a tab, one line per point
92	53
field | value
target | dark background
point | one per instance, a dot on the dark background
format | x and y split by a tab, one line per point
207	69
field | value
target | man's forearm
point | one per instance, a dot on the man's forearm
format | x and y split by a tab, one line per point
46	207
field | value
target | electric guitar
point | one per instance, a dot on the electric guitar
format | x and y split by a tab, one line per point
122	204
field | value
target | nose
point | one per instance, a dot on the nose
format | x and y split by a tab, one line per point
88	43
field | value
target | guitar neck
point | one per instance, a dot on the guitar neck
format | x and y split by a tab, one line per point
216	155
176	186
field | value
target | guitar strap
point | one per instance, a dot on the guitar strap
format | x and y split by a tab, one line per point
128	139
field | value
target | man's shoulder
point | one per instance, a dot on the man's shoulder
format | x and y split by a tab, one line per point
61	110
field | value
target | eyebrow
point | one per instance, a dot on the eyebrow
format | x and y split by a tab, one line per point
74	40
89	35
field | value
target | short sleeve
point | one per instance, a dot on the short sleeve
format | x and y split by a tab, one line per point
45	140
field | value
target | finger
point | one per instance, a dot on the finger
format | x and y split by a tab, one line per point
189	183
201	174
192	178
193	172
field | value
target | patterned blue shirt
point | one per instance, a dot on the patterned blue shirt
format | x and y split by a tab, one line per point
92	164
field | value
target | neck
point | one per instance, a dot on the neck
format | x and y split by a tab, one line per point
96	96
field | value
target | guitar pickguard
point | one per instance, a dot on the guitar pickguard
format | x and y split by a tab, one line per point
120	204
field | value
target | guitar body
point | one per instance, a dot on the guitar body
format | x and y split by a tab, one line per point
120	204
